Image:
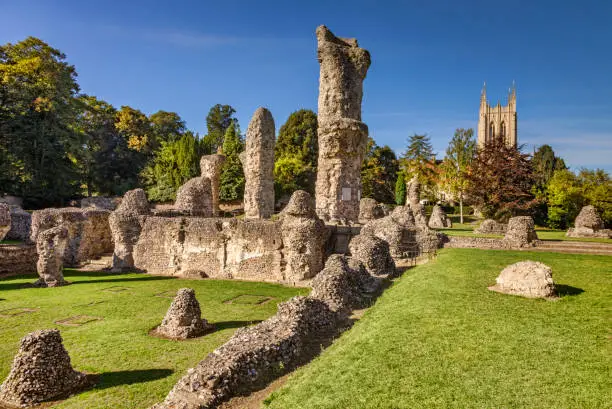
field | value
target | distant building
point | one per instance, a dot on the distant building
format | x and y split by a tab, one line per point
497	121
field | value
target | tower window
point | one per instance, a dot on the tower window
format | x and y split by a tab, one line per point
502	130
491	131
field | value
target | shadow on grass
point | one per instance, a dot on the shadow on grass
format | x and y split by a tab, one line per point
21	286
117	378
221	325
563	290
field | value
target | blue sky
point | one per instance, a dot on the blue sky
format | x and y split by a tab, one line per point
429	61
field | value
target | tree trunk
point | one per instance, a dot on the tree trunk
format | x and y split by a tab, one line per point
461	207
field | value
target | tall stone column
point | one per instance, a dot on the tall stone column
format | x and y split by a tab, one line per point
210	167
258	164
341	134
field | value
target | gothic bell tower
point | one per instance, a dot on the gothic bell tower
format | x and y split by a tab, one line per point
497	122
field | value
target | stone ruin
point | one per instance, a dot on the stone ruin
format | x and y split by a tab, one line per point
258	164
413	200
530	279
374	253
521	232
101	202
194	198
41	372
370	209
304	236
438	219
89	234
255	355
125	224
5	220
490	226
588	223
210	167
184	318
341	134
51	246
21	225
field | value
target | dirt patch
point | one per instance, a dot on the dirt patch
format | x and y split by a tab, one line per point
78	320
249	299
166	294
116	289
11	312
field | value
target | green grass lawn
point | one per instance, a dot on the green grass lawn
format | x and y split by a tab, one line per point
136	370
439	339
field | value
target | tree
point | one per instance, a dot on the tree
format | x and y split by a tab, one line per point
175	163
232	175
296	153
219	119
37	107
459	156
166	126
500	181
400	189
379	173
418	159
596	189
564	199
545	163
135	127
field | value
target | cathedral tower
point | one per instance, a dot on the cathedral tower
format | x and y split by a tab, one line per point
497	121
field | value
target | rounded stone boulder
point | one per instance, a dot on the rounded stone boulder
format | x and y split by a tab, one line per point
184	317
589	218
530	279
134	202
301	204
374	253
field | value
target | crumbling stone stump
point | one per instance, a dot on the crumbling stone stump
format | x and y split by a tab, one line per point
41	371
374	253
194	198
304	236
490	226
21	224
370	209
530	279
258	164
51	245
413	199
210	167
341	134
184	317
125	225
5	220
588	223
521	232
438	219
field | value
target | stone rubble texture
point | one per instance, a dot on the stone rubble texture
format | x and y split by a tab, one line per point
255	355
344	284
210	167
438	219
370	209
41	371
184	317
374	253
125	225
342	136
258	165
17	259
588	223
5	220
490	226
521	232
413	199
304	236
89	234
51	245
194	198
21	225
530	279
101	202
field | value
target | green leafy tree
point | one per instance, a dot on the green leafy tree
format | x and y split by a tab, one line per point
597	191
459	155
400	189
37	109
418	159
564	198
232	176
135	127
501	181
379	173
545	163
166	126
175	163
219	119
296	153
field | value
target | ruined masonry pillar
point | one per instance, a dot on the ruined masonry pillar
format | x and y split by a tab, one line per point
258	164
210	167
341	134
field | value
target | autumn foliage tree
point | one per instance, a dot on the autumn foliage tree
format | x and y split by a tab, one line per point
500	181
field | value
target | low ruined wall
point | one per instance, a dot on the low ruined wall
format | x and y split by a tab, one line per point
340	238
474	243
17	259
211	247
